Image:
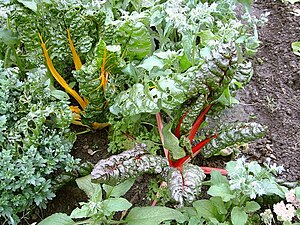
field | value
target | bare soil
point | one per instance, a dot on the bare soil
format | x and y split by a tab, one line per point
272	98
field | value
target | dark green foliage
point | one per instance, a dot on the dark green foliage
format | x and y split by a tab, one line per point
185	185
233	134
131	163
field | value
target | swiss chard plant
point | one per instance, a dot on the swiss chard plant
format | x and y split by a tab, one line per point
198	62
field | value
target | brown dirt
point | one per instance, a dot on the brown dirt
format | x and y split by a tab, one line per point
272	98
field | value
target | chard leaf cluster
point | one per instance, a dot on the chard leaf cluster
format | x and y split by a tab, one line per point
35	140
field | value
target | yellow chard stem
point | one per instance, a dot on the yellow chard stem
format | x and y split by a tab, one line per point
76	58
59	78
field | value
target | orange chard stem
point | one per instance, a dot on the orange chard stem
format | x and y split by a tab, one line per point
59	78
76	58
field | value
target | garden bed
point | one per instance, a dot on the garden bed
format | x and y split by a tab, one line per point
272	98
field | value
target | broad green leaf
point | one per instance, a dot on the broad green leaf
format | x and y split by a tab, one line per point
254	167
238	216
29	4
85	184
153	215
135	38
291	1
296	48
217	178
226	98
206	36
220	205
9	37
273	188
221	190
118	190
171	143
206	209
57	219
61	95
79	213
297	213
116	204
297	192
251	207
151	62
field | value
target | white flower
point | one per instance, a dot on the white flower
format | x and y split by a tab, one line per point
267	217
284	212
291	198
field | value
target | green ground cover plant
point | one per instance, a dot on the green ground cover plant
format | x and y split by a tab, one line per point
35	139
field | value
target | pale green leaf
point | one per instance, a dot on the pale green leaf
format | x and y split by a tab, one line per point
79	213
217	178
116	204
85	184
238	216
171	143
206	209
221	190
296	48
153	215
29	4
118	190
57	219
297	192
251	207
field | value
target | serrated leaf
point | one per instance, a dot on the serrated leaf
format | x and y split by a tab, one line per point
153	215
57	219
251	207
171	143
238	216
118	190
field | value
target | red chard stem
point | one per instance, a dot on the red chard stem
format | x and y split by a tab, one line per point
198	122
